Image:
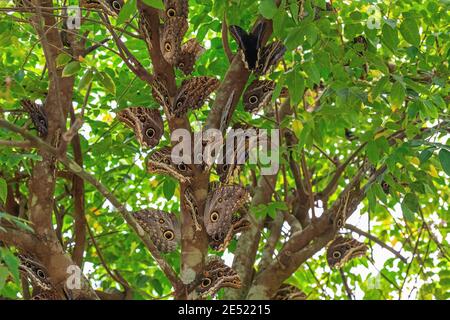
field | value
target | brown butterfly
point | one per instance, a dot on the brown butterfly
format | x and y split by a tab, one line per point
175	9
341	250
34	271
37	115
257	58
111	7
163	228
190	52
289	292
161	161
216	275
191	95
172	33
220	217
147	124
258	94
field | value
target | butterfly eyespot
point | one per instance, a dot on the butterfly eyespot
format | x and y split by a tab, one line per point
253	99
219	200
339	223
225	167
116	5
40	274
206	282
42	122
336	254
161	221
168	47
171	12
179	104
220	274
214	216
169	235
181	65
182	167
150	133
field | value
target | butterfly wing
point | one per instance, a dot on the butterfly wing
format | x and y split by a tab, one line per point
37	115
269	56
162	227
258	94
193	93
147	124
190	52
221	205
172	34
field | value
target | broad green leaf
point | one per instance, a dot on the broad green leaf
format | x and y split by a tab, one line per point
268	8
296	86
444	157
410	31
169	187
86	79
71	69
158	4
398	94
390	36
107	82
62	59
127	11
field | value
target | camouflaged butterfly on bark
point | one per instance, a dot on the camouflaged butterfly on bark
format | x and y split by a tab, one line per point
221	218
342	249
216	275
162	227
147	124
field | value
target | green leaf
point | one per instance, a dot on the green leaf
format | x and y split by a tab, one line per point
426	154
158	4
398	94
4	273
62	59
390	36
71	69
127	11
296	85
410	31
410	205
3	190
444	157
86	79
169	188
107	82
12	262
373	153
268	8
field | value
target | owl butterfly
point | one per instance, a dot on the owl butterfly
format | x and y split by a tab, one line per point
220	216
190	52
111	7
258	94
38	116
215	276
171	36
192	94
161	162
257	58
192	206
163	228
147	124
289	292
175	9
34	271
341	250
